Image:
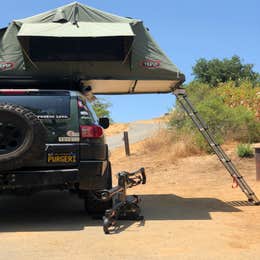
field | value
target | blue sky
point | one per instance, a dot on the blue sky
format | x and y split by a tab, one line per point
186	30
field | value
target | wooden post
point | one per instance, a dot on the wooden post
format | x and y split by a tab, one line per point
126	141
257	160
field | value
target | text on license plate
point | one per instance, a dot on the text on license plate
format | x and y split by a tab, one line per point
62	158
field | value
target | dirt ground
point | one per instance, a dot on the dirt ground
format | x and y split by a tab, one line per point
190	209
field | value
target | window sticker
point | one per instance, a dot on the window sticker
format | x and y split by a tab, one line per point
72	134
80	104
4	66
52	117
84	113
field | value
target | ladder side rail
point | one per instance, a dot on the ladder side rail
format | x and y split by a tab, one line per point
192	108
205	133
219	151
199	123
230	162
223	157
218	148
213	142
210	140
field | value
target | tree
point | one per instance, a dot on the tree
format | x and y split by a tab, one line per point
101	107
217	71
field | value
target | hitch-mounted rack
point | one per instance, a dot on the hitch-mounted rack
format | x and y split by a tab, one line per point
124	207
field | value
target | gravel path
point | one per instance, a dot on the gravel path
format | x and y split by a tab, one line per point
137	132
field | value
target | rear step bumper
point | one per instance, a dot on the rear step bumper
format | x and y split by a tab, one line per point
90	175
39	178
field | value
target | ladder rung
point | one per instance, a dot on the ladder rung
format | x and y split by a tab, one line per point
203	129
193	113
228	161
225	160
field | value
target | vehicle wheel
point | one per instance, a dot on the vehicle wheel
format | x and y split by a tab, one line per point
22	136
95	206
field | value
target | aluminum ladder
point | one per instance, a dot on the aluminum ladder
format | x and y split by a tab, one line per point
226	161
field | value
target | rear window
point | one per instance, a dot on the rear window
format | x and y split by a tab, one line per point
44	106
86	114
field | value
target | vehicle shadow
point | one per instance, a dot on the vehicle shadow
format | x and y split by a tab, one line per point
61	211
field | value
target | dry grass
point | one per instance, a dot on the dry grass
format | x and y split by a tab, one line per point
163	119
116	128
170	145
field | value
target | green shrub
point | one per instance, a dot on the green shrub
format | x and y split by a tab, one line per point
228	110
245	150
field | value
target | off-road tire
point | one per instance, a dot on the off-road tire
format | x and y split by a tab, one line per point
33	139
94	206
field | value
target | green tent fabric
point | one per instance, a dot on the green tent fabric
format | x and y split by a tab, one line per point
83	29
112	54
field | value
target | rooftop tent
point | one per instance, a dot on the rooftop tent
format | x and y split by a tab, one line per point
113	54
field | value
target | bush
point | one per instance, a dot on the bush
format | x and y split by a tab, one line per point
245	150
229	111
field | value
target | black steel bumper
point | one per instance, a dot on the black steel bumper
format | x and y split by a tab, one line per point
88	175
26	179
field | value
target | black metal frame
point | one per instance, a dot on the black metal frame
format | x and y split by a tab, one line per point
124	207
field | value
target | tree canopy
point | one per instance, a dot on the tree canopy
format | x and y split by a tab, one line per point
101	107
217	71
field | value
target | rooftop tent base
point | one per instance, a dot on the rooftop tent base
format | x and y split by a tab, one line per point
98	86
113	86
223	157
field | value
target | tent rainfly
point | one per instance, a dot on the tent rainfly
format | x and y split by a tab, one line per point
112	54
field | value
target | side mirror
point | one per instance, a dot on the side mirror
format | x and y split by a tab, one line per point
104	122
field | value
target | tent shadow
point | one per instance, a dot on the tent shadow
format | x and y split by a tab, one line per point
172	207
61	211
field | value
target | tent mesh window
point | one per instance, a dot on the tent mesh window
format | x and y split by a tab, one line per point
78	49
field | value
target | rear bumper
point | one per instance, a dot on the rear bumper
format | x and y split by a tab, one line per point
88	176
92	175
27	179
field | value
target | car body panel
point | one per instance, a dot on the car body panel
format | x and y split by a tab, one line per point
69	160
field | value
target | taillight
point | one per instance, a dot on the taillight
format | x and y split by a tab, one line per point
91	131
12	92
17	91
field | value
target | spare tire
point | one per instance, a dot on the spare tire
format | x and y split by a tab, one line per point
22	136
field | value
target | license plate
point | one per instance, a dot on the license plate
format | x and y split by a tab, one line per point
62	158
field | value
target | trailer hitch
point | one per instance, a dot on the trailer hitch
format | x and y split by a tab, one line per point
124	207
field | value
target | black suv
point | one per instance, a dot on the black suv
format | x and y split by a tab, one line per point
52	140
